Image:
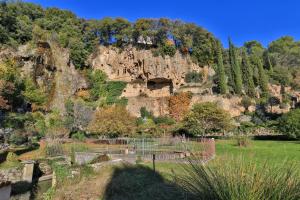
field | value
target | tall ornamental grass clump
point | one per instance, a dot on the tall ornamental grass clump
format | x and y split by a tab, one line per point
237	179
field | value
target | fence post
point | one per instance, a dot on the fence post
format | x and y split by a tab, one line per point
143	146
153	160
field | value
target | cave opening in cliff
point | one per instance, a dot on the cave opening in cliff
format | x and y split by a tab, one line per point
159	84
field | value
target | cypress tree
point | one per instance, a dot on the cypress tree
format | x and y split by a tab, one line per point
235	69
269	64
247	70
221	71
263	79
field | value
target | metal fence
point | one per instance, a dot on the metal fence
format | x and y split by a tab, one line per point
164	148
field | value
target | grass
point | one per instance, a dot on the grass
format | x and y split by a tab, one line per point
271	151
264	167
10	164
241	178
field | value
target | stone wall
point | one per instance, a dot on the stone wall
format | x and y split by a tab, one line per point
82	158
13	175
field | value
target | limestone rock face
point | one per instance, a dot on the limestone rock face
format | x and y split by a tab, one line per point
150	79
146	74
232	105
68	80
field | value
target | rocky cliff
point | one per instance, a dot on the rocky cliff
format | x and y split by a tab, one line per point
50	68
150	79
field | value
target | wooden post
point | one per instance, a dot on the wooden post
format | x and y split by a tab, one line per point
153	159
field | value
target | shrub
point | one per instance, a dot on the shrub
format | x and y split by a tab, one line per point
242	141
79	136
193	77
246	102
54	148
168	49
289	124
164	120
18	138
240	179
12	157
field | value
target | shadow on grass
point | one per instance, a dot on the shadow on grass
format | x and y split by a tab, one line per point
141	183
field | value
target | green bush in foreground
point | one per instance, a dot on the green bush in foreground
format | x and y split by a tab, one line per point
240	179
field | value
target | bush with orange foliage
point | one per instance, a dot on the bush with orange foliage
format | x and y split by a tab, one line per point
179	105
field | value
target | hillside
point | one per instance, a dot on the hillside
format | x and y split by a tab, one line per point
56	65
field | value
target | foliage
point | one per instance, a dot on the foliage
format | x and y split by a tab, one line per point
11	157
168	49
54	148
247	70
164	120
179	105
112	121
193	77
206	118
108	91
246	102
242	141
79	136
236	76
284	52
11	86
145	113
240	179
18	137
33	94
148	128
22	22
289	124
263	79
221	76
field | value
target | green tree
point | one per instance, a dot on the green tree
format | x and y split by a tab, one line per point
112	121
222	83
246	102
247	70
263	78
237	82
289	124
206	118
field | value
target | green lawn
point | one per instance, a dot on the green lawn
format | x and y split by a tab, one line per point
261	151
272	152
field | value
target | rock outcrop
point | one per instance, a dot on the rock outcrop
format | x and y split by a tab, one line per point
50	68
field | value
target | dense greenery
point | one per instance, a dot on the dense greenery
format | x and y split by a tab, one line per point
23	22
107	92
290	124
206	118
113	121
221	76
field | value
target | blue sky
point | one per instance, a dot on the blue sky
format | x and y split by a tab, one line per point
242	20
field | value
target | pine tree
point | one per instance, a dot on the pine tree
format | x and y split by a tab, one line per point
247	70
263	79
221	71
235	69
